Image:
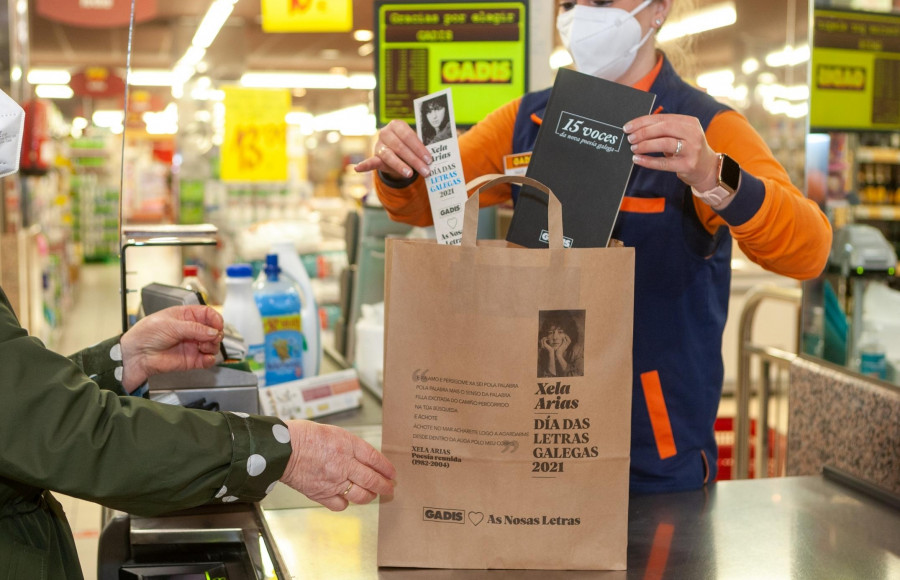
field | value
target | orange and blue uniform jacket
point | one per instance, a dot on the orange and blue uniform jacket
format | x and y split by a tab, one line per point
682	265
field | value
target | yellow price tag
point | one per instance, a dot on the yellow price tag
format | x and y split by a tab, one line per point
307	15
255	143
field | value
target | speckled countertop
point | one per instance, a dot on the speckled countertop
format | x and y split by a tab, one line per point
843	421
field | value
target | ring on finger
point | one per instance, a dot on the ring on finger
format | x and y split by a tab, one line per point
349	487
678	147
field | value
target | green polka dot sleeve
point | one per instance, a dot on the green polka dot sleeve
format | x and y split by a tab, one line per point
102	363
261	448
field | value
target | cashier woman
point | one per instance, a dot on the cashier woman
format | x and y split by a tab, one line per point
703	177
68	425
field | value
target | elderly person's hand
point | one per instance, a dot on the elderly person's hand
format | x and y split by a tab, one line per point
334	467
174	339
398	151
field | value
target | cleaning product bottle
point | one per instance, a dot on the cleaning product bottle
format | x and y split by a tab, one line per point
240	311
872	356
310	325
191	281
369	352
279	305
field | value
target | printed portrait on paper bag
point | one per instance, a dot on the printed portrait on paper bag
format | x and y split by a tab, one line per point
561	343
435	117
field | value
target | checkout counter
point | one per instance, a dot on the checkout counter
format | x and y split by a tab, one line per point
814	526
818	526
795	527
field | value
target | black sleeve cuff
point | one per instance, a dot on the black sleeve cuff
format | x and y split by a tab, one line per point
398	183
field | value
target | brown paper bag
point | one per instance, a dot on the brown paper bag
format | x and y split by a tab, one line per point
501	464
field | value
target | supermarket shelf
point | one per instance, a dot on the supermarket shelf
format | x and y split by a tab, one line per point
877	212
877	155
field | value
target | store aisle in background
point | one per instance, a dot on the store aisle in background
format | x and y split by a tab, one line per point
95	315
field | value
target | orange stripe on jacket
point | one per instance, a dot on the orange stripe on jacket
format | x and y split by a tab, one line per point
644	204
659	415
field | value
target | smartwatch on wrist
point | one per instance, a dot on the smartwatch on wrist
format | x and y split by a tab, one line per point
728	180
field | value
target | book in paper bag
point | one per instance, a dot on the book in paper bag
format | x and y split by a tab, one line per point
583	155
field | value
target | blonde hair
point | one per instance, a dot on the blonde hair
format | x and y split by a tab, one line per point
679	51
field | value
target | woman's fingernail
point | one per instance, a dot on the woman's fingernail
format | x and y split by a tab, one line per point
407	172
428	159
631	138
627	127
636	158
425	171
633	148
210	331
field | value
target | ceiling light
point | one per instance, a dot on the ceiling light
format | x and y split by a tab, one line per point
716	16
192	56
330	54
162	123
293	80
788	56
362	82
560	58
181	74
355	120
212	23
298	118
791	110
150	78
48	76
54	91
201	94
79	123
788	93
275	80
363	35
108	118
716	77
719	83
206	33
750	66
365	49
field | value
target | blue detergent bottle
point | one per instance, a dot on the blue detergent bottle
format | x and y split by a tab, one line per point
279	306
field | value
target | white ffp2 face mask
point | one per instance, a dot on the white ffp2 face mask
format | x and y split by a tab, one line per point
603	41
12	125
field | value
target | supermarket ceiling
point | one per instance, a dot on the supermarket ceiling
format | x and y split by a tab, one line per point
242	45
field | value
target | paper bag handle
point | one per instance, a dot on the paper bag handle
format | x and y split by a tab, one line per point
470	222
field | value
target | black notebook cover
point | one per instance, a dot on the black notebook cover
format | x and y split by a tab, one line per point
583	155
